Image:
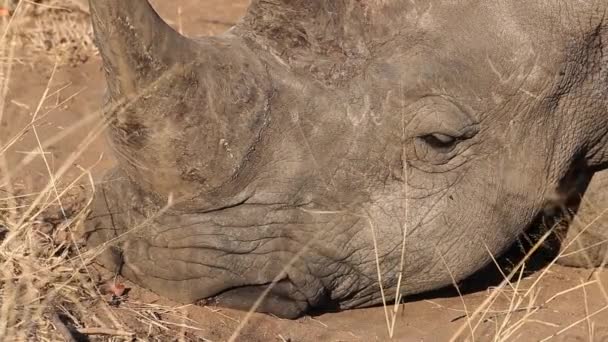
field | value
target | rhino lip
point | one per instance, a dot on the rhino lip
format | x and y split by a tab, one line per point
273	297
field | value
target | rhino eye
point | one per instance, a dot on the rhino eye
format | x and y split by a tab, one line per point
439	129
437	148
439	141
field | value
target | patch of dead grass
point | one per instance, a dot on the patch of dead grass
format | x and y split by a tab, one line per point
56	29
49	288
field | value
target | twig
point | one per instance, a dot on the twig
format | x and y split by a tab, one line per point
104	331
496	314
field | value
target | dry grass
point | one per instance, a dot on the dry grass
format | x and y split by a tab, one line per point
526	299
49	290
55	28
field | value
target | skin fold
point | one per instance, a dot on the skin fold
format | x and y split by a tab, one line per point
318	141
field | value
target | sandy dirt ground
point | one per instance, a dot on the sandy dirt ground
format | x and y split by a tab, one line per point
566	304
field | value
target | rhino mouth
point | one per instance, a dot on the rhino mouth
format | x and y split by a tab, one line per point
280	297
232	257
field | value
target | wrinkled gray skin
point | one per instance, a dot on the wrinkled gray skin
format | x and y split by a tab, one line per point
288	143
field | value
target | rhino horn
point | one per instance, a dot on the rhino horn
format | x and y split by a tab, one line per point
136	45
183	114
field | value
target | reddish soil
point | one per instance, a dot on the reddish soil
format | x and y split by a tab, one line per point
434	318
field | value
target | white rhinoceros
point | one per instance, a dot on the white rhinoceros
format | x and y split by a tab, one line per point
319	140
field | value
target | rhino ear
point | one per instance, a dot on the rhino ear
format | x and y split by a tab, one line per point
136	45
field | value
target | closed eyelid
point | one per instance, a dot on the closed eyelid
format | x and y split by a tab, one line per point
439	115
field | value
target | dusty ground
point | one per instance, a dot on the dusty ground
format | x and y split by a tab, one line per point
526	310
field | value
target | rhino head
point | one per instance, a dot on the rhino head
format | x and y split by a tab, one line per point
319	144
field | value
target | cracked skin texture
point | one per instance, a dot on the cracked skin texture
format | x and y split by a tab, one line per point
300	147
